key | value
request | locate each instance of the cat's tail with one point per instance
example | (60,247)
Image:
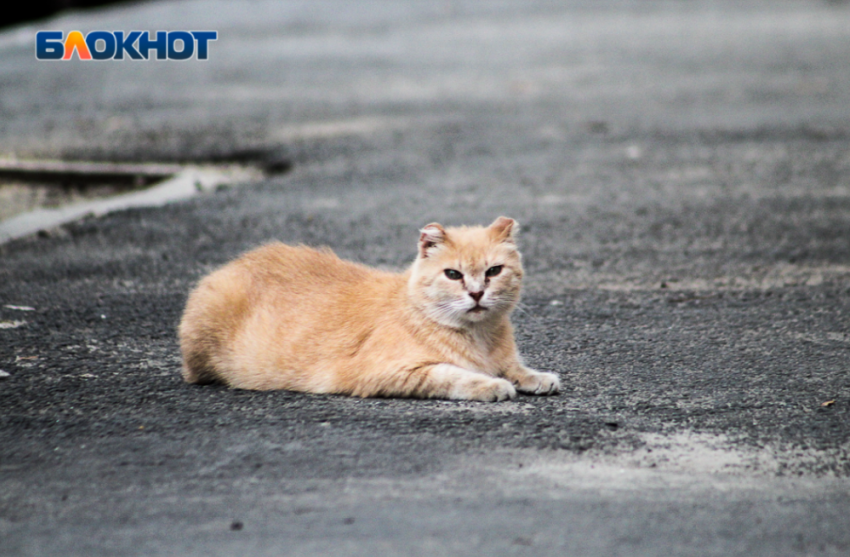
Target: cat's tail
(198,347)
(213,312)
(200,375)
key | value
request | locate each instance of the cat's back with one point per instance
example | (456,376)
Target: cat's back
(279,265)
(296,274)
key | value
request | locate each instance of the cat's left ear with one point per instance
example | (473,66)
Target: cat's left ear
(430,237)
(503,229)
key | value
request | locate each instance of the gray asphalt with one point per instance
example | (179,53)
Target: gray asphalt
(681,171)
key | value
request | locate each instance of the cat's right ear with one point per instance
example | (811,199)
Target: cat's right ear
(430,237)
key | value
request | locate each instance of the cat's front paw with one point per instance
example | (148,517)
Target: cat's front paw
(486,389)
(538,383)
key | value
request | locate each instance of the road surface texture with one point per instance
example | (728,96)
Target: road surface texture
(681,171)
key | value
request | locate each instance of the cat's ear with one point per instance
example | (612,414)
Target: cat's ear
(430,236)
(503,229)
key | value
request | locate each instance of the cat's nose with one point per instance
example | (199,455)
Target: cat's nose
(476,295)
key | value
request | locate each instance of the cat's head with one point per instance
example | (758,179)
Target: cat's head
(467,275)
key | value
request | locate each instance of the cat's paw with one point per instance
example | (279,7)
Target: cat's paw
(486,389)
(538,383)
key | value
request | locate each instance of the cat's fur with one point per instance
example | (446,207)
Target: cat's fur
(300,319)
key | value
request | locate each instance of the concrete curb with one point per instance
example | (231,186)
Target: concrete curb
(186,183)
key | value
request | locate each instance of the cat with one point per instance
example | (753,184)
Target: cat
(301,319)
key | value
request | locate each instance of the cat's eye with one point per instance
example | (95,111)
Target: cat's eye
(454,275)
(493,271)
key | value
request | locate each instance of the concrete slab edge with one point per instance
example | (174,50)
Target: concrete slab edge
(186,183)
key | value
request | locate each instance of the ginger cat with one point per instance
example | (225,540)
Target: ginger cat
(300,319)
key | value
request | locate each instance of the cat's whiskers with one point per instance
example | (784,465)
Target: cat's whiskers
(528,315)
(445,312)
(502,301)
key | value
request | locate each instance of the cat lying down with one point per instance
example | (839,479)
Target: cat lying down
(300,319)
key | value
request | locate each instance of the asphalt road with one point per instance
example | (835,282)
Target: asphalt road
(681,171)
